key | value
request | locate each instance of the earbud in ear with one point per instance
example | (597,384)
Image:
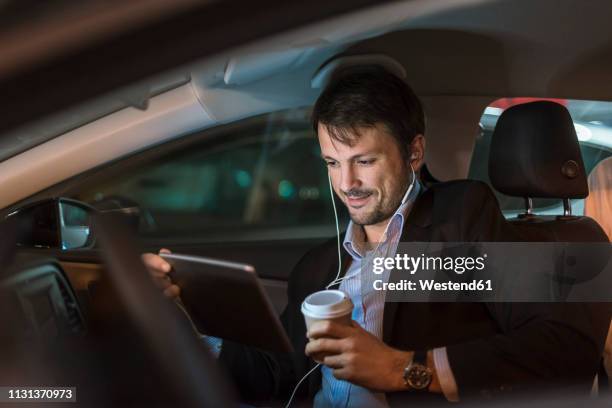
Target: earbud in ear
(414,156)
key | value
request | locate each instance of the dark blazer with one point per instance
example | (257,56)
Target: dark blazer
(493,349)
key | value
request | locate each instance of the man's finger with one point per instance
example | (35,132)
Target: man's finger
(159,274)
(172,291)
(335,361)
(162,283)
(318,357)
(327,328)
(165,251)
(342,373)
(324,346)
(156,263)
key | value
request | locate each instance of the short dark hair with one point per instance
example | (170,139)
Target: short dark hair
(364,98)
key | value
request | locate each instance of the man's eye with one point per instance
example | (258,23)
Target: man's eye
(365,162)
(332,164)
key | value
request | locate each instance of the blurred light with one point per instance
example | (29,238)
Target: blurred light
(583,132)
(243,178)
(309,193)
(285,189)
(489,110)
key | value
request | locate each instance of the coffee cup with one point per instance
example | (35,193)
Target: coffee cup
(333,305)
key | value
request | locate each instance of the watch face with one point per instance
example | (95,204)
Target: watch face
(418,376)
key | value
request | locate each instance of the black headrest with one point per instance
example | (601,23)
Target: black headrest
(535,153)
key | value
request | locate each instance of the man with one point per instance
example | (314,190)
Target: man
(370,126)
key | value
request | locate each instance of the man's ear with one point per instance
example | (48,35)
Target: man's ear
(417,152)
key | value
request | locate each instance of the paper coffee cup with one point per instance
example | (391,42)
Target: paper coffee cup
(332,305)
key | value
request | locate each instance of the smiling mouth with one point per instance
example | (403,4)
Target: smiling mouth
(358,202)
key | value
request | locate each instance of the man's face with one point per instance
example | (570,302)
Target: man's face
(370,177)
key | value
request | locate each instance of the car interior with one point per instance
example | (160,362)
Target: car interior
(213,154)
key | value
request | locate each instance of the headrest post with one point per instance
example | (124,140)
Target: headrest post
(528,206)
(567,207)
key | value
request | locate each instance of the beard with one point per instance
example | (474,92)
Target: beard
(382,210)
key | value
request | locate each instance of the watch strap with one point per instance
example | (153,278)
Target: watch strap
(420,357)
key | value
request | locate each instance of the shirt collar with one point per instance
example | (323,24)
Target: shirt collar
(354,239)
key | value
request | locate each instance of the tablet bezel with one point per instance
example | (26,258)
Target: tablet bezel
(228,276)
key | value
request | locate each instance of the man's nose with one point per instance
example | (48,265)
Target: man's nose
(349,179)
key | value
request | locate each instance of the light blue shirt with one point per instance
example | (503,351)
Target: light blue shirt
(368,304)
(214,344)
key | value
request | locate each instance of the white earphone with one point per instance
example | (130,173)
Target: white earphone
(337,279)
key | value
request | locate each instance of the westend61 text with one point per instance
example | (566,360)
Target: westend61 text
(429,285)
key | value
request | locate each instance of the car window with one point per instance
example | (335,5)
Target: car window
(261,179)
(593,123)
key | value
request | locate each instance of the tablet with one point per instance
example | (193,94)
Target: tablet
(226,300)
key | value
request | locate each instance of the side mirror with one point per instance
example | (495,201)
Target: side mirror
(58,223)
(75,224)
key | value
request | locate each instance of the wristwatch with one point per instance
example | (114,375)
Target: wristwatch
(416,374)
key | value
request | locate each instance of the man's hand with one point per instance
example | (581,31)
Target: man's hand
(159,269)
(357,356)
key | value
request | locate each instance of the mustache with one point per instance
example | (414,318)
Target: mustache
(357,193)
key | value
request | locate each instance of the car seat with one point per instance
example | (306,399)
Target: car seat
(535,154)
(599,206)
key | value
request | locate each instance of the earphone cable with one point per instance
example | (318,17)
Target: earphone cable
(337,279)
(300,383)
(331,192)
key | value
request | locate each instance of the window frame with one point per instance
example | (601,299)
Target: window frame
(207,138)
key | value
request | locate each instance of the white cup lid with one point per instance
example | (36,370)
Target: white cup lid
(327,304)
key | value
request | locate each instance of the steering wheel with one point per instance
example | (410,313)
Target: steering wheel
(187,366)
